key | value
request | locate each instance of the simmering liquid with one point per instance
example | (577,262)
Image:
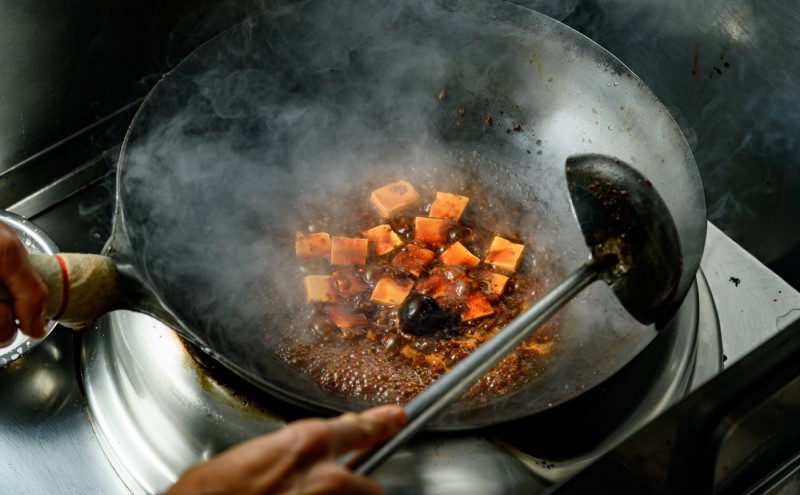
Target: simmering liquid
(368,355)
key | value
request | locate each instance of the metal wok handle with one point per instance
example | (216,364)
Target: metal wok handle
(461,377)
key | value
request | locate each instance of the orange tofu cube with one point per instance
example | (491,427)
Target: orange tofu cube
(312,245)
(349,283)
(348,251)
(320,289)
(477,307)
(436,286)
(413,259)
(504,254)
(384,239)
(457,254)
(393,198)
(430,230)
(496,282)
(448,205)
(345,318)
(391,292)
(410,352)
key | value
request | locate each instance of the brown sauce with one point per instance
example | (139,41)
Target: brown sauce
(378,362)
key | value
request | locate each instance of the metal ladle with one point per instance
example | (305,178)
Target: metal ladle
(634,248)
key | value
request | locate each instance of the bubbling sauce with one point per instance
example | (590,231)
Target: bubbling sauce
(353,345)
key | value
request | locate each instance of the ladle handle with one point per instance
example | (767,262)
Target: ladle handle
(453,384)
(82,287)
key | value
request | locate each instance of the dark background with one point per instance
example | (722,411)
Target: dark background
(73,73)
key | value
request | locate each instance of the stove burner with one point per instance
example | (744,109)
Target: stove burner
(153,428)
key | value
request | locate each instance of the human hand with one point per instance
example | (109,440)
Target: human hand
(28,292)
(299,459)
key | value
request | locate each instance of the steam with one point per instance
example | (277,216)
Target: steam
(309,103)
(263,121)
(728,73)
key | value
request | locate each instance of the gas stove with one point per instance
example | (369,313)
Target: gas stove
(92,413)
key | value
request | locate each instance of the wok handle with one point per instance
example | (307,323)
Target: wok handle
(452,385)
(82,287)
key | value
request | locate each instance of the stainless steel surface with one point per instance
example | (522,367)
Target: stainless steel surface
(150,426)
(750,173)
(710,355)
(447,389)
(46,424)
(35,241)
(66,186)
(152,429)
(752,303)
(48,439)
(68,66)
(548,77)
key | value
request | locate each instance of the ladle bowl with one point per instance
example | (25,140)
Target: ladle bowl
(634,248)
(620,213)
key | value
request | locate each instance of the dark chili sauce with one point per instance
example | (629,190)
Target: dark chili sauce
(379,363)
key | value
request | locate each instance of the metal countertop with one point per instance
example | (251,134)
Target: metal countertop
(52,448)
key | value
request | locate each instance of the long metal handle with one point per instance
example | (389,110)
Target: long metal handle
(453,384)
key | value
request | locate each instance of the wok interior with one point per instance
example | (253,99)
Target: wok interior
(300,105)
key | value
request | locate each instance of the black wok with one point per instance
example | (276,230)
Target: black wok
(304,103)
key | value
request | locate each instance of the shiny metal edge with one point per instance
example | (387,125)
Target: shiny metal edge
(673,384)
(152,429)
(68,185)
(35,241)
(403,473)
(753,303)
(709,344)
(154,412)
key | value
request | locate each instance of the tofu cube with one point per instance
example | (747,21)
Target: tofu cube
(384,239)
(348,251)
(457,254)
(411,353)
(312,245)
(345,318)
(448,205)
(320,289)
(436,286)
(413,259)
(477,307)
(391,199)
(504,254)
(348,283)
(496,282)
(391,292)
(430,230)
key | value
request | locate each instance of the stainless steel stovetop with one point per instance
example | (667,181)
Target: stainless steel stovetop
(60,437)
(81,417)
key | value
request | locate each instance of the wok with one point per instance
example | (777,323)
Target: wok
(303,103)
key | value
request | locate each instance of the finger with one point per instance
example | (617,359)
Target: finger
(8,328)
(295,456)
(360,431)
(313,439)
(392,415)
(30,295)
(23,283)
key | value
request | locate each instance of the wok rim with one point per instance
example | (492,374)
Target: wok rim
(119,241)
